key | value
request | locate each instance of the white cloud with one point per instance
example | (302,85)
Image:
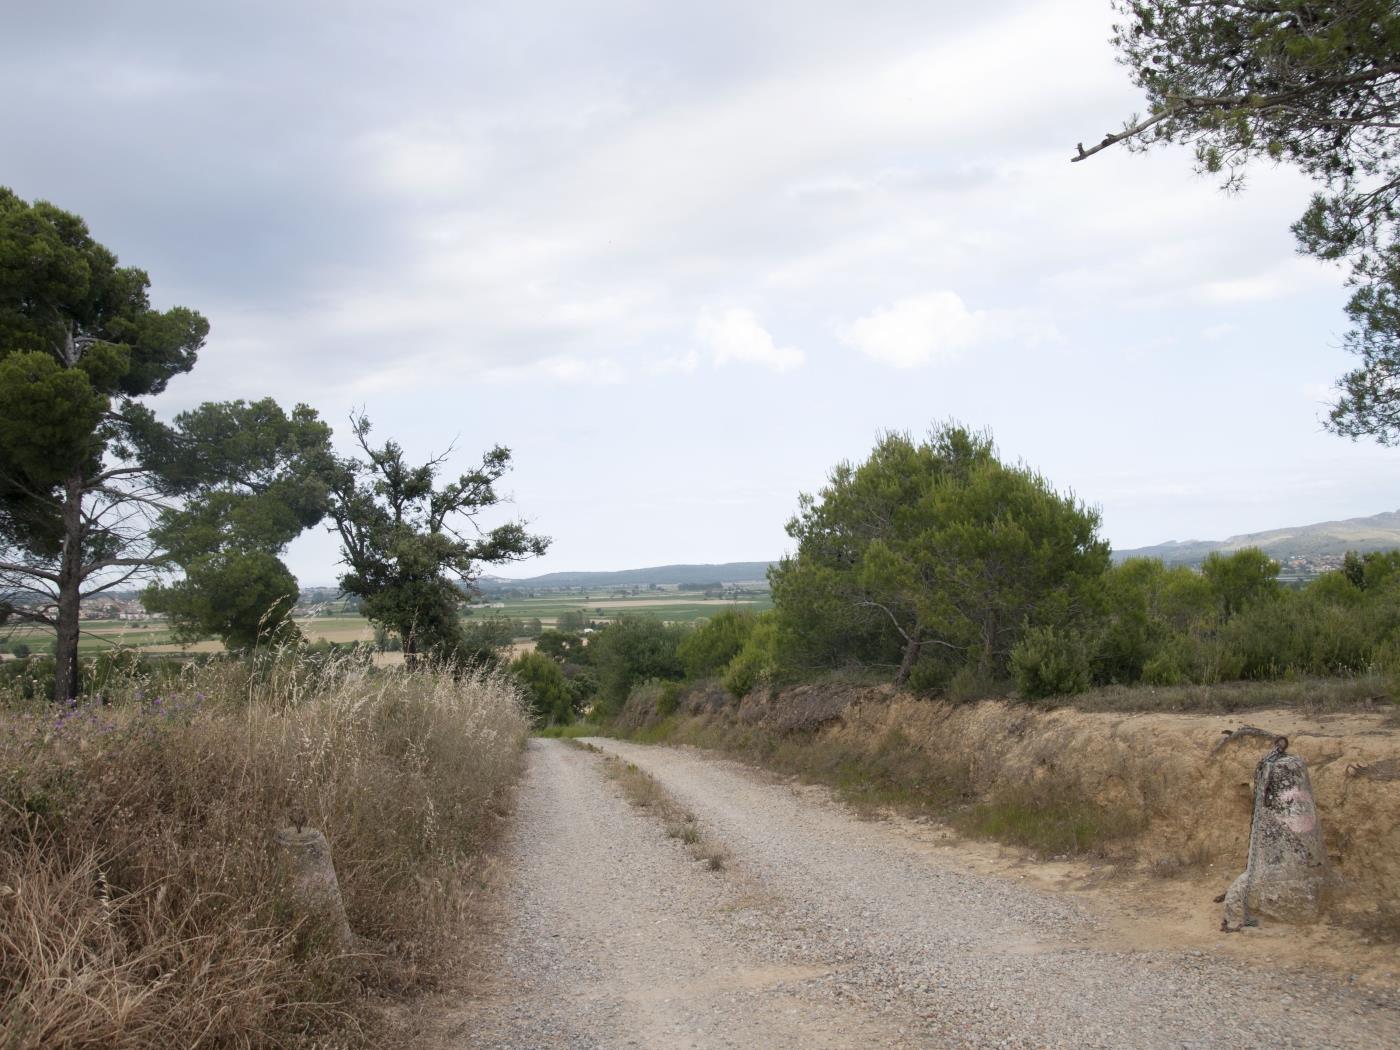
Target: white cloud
(917,330)
(937,326)
(737,335)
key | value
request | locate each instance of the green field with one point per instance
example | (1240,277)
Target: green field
(98,636)
(103,635)
(607,607)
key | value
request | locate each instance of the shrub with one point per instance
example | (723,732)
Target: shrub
(546,689)
(1050,661)
(711,646)
(630,651)
(754,664)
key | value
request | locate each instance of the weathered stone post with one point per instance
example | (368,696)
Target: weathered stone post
(306,857)
(1287,863)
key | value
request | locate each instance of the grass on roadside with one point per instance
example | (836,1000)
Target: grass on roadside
(1312,695)
(141,900)
(569,731)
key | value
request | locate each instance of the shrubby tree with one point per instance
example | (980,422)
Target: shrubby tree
(632,650)
(562,646)
(257,476)
(550,697)
(710,647)
(572,620)
(409,543)
(1143,605)
(935,548)
(1240,578)
(1313,84)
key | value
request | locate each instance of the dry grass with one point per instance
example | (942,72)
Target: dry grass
(140,899)
(643,791)
(1313,695)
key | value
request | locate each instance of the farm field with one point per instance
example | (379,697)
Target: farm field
(156,637)
(601,607)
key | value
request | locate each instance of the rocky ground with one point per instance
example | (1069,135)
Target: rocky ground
(825,930)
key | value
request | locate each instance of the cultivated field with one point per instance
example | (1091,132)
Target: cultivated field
(342,626)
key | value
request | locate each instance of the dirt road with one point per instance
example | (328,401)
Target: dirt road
(824,930)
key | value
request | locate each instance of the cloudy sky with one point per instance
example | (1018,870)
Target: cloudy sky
(682,258)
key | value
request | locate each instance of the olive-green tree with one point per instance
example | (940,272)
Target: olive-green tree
(257,479)
(546,689)
(409,543)
(943,548)
(1240,578)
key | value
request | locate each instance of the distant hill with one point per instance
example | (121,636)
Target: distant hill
(729,572)
(1326,539)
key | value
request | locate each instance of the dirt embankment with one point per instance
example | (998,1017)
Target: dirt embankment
(1190,797)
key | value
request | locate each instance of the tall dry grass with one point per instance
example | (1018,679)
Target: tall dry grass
(140,897)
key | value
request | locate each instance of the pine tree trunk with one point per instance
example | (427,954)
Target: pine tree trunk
(70,581)
(989,640)
(911,654)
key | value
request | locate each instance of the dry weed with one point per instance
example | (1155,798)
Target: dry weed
(140,903)
(645,792)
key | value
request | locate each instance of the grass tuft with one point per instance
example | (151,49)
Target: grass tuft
(141,903)
(645,792)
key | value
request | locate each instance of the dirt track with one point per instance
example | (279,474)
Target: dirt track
(829,931)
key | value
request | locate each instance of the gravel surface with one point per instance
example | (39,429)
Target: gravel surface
(828,931)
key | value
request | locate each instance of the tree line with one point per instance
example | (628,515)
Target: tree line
(938,566)
(97,492)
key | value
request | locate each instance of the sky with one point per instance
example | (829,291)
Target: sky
(683,258)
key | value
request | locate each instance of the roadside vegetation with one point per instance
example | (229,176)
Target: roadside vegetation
(939,568)
(141,900)
(935,571)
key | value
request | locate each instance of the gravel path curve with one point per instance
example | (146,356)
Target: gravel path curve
(829,931)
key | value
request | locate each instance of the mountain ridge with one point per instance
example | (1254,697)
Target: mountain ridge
(724,572)
(1323,539)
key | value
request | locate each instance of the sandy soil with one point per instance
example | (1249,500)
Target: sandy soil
(825,930)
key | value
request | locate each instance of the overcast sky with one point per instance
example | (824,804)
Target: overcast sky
(683,258)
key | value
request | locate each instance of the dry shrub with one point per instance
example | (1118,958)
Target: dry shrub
(140,898)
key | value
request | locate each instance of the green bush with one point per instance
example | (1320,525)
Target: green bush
(630,651)
(1049,661)
(755,662)
(547,691)
(710,647)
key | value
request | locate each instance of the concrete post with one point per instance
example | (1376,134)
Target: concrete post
(1287,865)
(306,857)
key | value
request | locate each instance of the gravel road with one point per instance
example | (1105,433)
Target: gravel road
(828,931)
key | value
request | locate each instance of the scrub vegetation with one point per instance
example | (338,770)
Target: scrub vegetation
(141,901)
